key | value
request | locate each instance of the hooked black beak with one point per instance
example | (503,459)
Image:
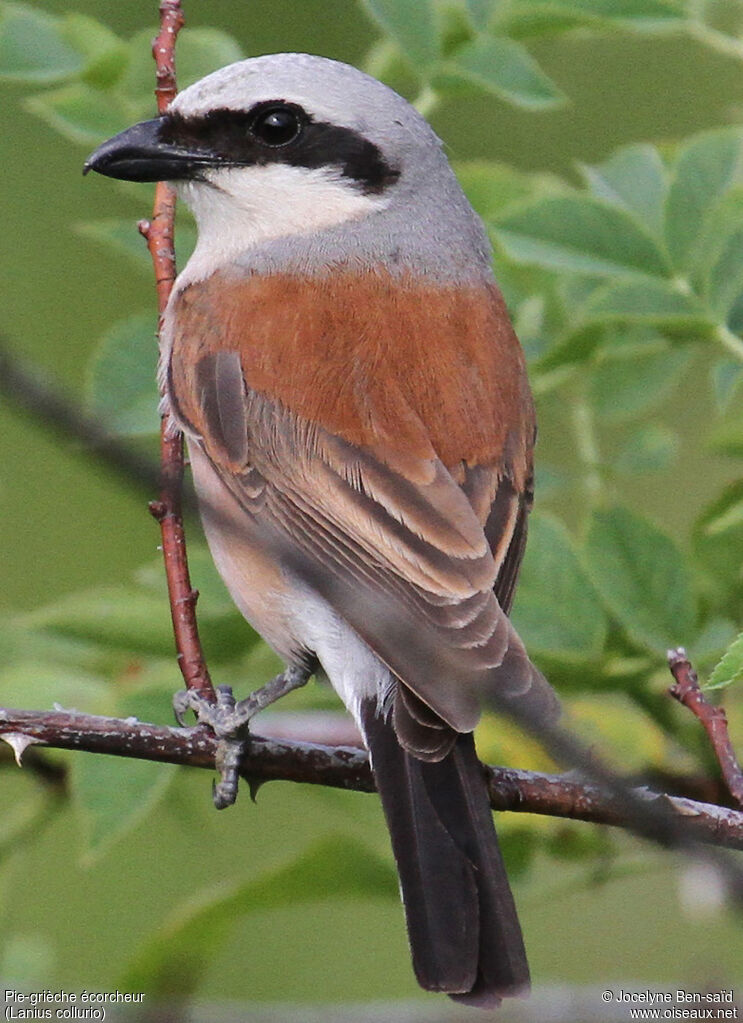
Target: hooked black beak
(138,154)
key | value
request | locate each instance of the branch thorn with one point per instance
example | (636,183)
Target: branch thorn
(19,743)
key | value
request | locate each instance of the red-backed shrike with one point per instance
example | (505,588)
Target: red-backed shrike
(360,429)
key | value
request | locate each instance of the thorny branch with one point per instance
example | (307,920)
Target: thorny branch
(168,511)
(347,767)
(687,691)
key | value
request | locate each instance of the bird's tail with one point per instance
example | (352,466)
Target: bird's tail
(464,933)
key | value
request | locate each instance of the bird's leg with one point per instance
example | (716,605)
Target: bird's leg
(230,723)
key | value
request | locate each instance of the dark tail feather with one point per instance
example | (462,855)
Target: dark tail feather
(464,934)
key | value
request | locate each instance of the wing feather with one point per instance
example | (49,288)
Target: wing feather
(405,561)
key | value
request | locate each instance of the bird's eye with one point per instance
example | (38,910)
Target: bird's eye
(276,126)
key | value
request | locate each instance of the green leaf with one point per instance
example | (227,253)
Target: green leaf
(128,618)
(652,302)
(493,187)
(569,350)
(384,60)
(612,722)
(557,612)
(730,668)
(38,683)
(727,376)
(203,50)
(635,179)
(19,642)
(80,113)
(729,515)
(649,448)
(727,438)
(90,37)
(504,68)
(530,293)
(641,577)
(112,795)
(480,13)
(529,322)
(651,12)
(22,817)
(27,959)
(122,392)
(172,963)
(706,167)
(596,311)
(120,617)
(33,47)
(634,373)
(538,17)
(123,236)
(581,235)
(735,317)
(718,537)
(720,265)
(107,56)
(550,480)
(575,291)
(454,27)
(569,347)
(712,641)
(412,24)
(725,281)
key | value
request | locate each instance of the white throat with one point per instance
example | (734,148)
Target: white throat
(239,208)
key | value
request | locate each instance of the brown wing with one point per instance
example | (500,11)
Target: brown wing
(406,564)
(503,510)
(380,528)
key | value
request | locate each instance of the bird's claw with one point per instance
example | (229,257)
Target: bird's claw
(181,704)
(230,723)
(229,755)
(226,718)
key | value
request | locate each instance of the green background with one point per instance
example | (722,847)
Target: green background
(67,525)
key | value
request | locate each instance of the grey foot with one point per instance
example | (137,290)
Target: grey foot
(230,723)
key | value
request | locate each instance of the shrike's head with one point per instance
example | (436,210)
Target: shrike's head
(292,146)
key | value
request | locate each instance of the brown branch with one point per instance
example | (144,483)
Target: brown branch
(714,720)
(163,51)
(168,511)
(344,767)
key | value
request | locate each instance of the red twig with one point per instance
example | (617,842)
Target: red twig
(686,690)
(167,510)
(163,50)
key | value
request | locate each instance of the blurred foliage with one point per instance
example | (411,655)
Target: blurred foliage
(623,283)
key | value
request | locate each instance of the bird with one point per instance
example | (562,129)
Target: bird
(360,430)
